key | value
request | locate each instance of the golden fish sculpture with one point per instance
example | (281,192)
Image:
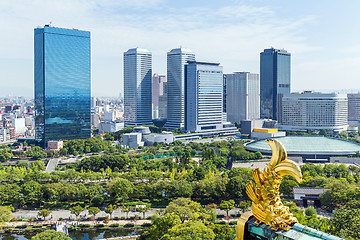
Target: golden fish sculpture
(266,203)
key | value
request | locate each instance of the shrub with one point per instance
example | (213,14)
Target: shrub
(122,218)
(100,225)
(37,226)
(146,225)
(84,225)
(220,216)
(233,223)
(222,222)
(21,227)
(114,225)
(60,219)
(100,219)
(116,218)
(129,225)
(310,211)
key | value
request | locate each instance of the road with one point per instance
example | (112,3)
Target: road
(51,166)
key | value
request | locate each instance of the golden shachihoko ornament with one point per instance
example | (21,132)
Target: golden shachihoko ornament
(266,203)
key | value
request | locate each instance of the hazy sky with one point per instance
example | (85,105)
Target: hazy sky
(323,37)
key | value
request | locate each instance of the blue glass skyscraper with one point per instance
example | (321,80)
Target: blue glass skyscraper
(62,84)
(274,81)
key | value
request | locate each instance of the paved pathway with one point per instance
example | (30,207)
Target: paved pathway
(65,214)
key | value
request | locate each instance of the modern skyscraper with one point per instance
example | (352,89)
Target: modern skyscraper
(274,81)
(157,91)
(203,96)
(137,87)
(242,96)
(176,60)
(62,84)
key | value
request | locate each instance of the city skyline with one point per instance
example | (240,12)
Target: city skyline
(231,32)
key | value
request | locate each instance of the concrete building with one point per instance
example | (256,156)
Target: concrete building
(274,81)
(163,103)
(354,107)
(242,96)
(158,82)
(110,126)
(265,133)
(137,87)
(132,140)
(176,60)
(314,111)
(164,137)
(55,145)
(203,96)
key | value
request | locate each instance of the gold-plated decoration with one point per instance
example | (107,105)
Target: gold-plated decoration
(266,203)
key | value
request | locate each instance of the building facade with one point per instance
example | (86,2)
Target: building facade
(176,60)
(163,103)
(62,84)
(354,107)
(137,87)
(314,111)
(274,81)
(242,96)
(203,96)
(158,82)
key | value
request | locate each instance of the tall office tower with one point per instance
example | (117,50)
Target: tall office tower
(354,107)
(274,81)
(314,111)
(157,91)
(176,60)
(242,96)
(62,84)
(137,87)
(203,96)
(163,102)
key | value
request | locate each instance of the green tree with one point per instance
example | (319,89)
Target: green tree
(120,188)
(76,210)
(126,209)
(44,213)
(37,165)
(227,206)
(191,230)
(180,188)
(160,226)
(93,211)
(186,209)
(346,223)
(50,235)
(222,231)
(143,210)
(110,209)
(5,214)
(244,206)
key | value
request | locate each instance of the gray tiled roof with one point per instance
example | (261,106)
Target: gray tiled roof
(308,190)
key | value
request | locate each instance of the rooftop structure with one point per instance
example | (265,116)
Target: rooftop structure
(314,146)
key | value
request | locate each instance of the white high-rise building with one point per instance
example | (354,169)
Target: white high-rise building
(242,96)
(314,111)
(176,60)
(203,97)
(137,87)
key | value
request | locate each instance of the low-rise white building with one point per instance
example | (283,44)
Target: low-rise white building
(132,140)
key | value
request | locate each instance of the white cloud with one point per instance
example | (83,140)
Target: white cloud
(233,35)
